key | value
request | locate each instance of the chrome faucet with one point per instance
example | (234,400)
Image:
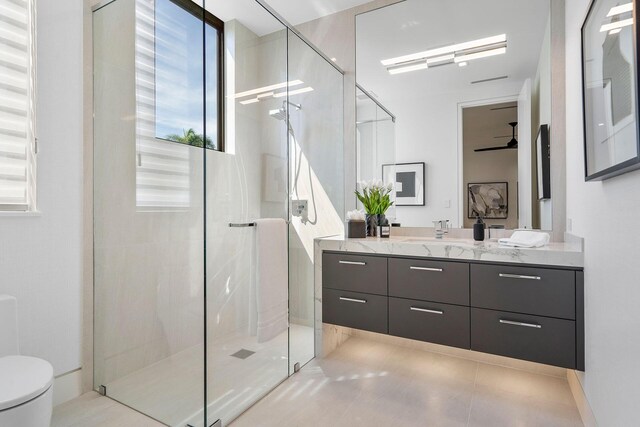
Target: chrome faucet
(441,227)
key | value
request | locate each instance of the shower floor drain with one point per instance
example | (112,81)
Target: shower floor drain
(242,353)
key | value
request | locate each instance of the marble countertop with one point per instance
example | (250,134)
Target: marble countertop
(568,254)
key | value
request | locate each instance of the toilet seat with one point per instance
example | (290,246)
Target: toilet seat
(23,379)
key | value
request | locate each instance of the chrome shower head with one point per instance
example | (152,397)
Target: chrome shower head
(281,113)
(278,114)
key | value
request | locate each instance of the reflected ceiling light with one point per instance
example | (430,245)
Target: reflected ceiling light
(473,44)
(265,95)
(481,54)
(399,69)
(441,60)
(293,92)
(463,64)
(250,101)
(616,31)
(619,10)
(268,88)
(617,24)
(456,53)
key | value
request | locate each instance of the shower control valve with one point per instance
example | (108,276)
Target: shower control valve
(299,208)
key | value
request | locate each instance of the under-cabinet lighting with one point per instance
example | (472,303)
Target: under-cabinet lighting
(266,89)
(619,10)
(481,54)
(399,69)
(293,92)
(487,41)
(616,25)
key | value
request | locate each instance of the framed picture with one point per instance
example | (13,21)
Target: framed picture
(408,181)
(543,150)
(488,200)
(610,90)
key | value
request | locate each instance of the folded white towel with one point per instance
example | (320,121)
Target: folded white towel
(272,293)
(526,239)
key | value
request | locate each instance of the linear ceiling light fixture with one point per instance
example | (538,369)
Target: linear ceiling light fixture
(293,92)
(616,24)
(264,90)
(455,53)
(619,10)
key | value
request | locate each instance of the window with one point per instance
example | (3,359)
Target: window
(188,65)
(17,105)
(171,79)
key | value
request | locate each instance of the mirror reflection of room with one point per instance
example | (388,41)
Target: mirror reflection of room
(470,94)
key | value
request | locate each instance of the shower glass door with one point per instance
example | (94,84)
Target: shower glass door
(246,291)
(317,184)
(149,208)
(202,305)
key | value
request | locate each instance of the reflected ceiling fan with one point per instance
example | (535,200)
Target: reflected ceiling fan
(511,144)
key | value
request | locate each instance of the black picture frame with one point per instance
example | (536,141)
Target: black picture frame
(419,168)
(543,158)
(632,163)
(504,215)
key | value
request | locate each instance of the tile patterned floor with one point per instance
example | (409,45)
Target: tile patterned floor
(365,383)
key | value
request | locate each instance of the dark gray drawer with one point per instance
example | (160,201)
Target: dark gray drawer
(429,321)
(429,280)
(534,338)
(358,273)
(355,310)
(538,291)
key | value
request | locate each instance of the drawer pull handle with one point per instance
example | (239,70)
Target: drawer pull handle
(424,268)
(359,301)
(527,325)
(352,262)
(518,276)
(426,310)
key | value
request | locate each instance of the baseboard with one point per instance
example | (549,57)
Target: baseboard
(67,386)
(588,418)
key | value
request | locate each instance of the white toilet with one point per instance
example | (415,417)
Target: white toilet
(25,382)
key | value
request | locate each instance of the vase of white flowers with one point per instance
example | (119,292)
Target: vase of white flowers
(375,197)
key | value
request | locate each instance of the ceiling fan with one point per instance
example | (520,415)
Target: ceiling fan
(511,144)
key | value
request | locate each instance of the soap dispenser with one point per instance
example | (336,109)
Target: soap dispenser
(478,230)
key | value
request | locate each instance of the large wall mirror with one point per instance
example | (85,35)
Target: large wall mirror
(469,84)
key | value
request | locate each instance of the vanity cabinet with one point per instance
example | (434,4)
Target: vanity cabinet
(357,273)
(438,323)
(527,312)
(429,280)
(356,310)
(531,290)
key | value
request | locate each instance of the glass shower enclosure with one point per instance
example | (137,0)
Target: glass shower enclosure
(215,127)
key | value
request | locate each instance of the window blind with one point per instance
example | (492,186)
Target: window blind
(17,105)
(163,168)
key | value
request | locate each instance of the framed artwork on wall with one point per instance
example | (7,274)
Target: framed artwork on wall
(543,159)
(610,90)
(408,182)
(488,200)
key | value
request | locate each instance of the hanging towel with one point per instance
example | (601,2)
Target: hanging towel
(526,239)
(272,278)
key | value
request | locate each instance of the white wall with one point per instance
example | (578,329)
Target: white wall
(606,215)
(40,256)
(335,35)
(427,131)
